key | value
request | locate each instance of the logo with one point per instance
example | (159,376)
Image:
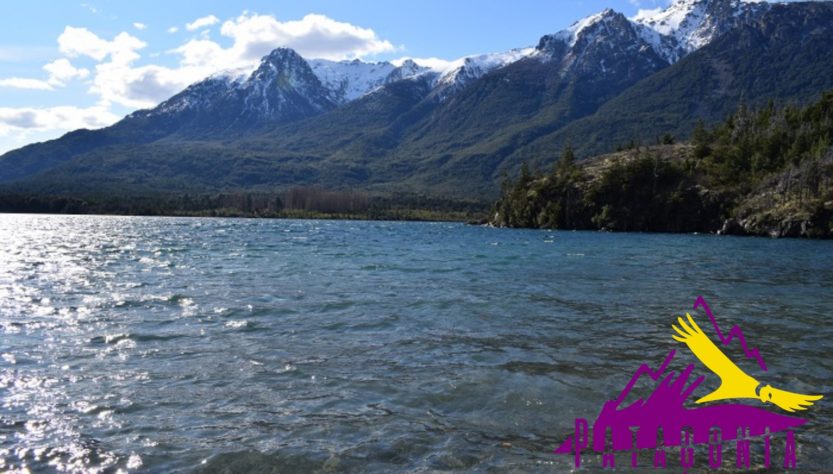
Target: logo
(664,428)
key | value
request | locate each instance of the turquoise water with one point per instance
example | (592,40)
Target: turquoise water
(167,344)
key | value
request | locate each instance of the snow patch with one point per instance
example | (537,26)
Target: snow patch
(691,23)
(469,68)
(349,80)
(571,34)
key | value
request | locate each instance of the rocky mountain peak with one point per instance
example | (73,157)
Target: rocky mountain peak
(286,69)
(282,56)
(407,70)
(591,23)
(695,23)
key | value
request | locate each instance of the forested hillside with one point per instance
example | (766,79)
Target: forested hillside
(762,172)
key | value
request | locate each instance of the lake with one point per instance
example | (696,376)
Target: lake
(174,344)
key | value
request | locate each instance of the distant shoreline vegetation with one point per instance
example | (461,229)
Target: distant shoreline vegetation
(767,173)
(297,202)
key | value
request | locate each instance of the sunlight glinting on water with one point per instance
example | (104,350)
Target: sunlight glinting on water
(170,344)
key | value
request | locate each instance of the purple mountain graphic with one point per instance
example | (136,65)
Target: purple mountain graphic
(736,331)
(664,409)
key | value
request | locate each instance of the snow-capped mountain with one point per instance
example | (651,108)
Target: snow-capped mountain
(672,32)
(692,24)
(601,44)
(287,87)
(684,26)
(349,80)
(571,34)
(409,69)
(470,68)
(200,95)
(284,81)
(605,80)
(282,88)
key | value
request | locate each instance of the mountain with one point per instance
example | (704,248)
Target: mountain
(688,25)
(282,89)
(604,81)
(350,80)
(782,56)
(465,140)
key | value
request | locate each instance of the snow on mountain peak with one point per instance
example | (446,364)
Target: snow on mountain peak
(409,69)
(349,80)
(672,32)
(469,68)
(233,76)
(571,34)
(694,23)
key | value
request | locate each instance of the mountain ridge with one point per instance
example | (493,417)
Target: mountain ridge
(447,132)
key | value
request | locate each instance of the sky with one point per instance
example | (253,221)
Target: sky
(66,65)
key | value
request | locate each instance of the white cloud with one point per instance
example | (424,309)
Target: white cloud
(119,79)
(60,118)
(62,71)
(140,87)
(254,36)
(116,79)
(76,42)
(122,49)
(202,22)
(173,29)
(202,52)
(139,26)
(25,83)
(19,126)
(313,36)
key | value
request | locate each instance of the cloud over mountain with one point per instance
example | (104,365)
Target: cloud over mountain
(119,74)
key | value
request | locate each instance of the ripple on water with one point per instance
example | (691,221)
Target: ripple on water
(230,344)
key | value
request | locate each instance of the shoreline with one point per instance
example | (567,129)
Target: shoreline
(425,216)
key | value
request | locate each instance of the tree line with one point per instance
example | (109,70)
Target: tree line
(301,201)
(762,167)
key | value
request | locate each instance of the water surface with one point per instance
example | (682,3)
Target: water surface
(168,344)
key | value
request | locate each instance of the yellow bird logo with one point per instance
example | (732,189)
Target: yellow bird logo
(734,382)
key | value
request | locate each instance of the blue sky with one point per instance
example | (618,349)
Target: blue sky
(66,65)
